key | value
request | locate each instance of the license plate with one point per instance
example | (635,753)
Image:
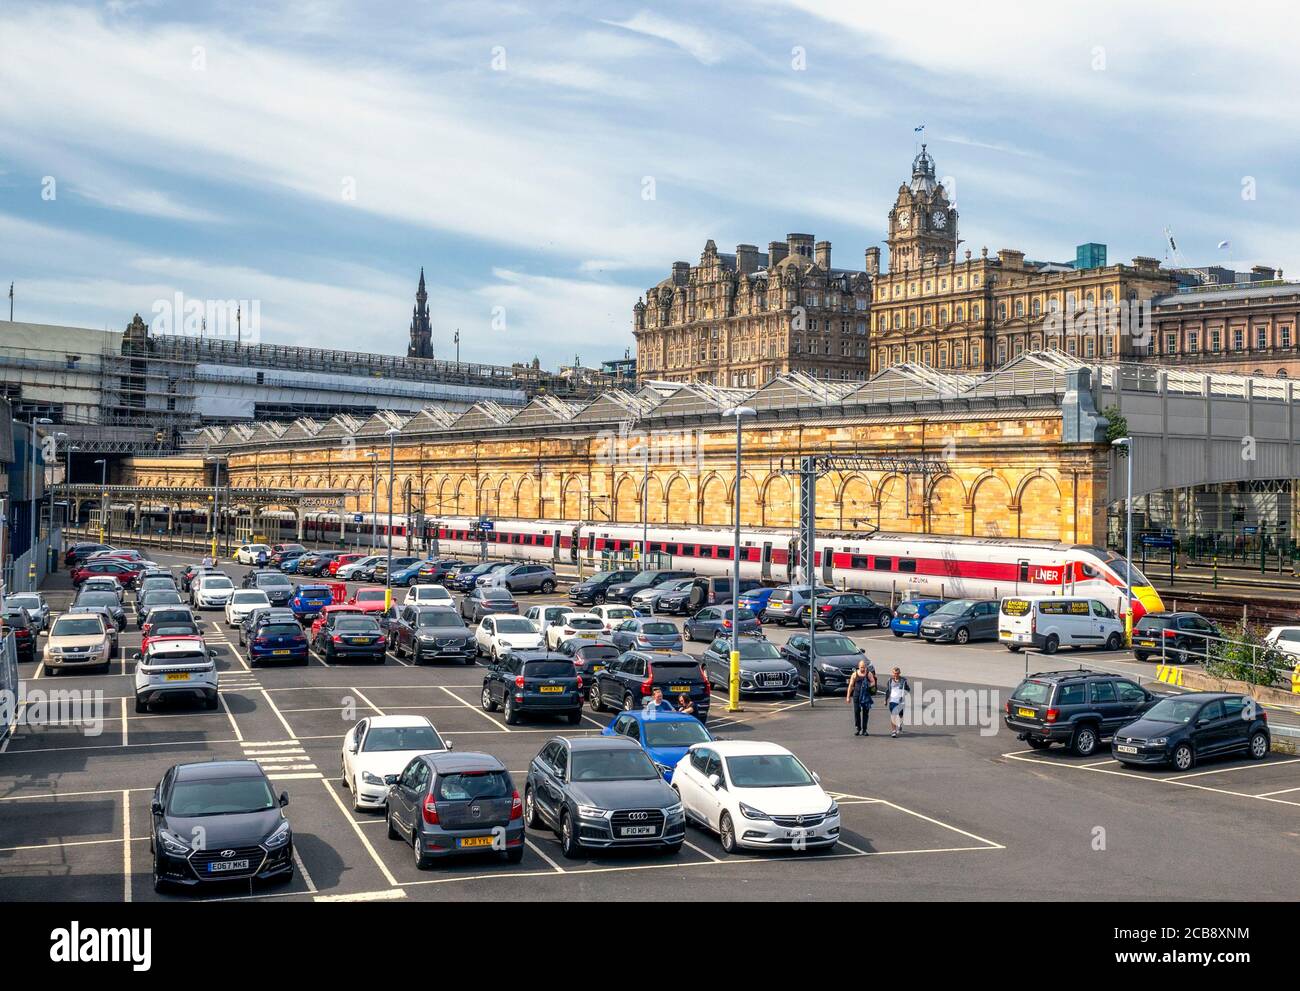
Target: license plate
(1005,634)
(1146,643)
(1127,750)
(279,653)
(637,831)
(586,636)
(1027,713)
(362,640)
(679,689)
(551,688)
(474,841)
(792,834)
(218,866)
(597,667)
(183,676)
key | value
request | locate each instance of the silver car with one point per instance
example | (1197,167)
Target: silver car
(789,603)
(522,578)
(647,600)
(647,634)
(34,602)
(713,621)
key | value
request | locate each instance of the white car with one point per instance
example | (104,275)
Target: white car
(379,746)
(497,635)
(611,616)
(247,553)
(1285,639)
(212,591)
(544,617)
(428,595)
(103,583)
(183,666)
(242,602)
(755,795)
(576,626)
(348,571)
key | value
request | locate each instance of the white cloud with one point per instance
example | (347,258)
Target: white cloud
(146,202)
(701,45)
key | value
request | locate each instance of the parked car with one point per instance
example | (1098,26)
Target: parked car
(78,552)
(1079,709)
(755,600)
(436,572)
(717,592)
(334,609)
(277,638)
(841,610)
(594,589)
(961,621)
(123,571)
(522,578)
(318,565)
(380,746)
(576,626)
(308,600)
(666,597)
(166,616)
(647,634)
(763,671)
(908,616)
(248,553)
(486,602)
(153,599)
(429,595)
(171,631)
(16,620)
(630,680)
(261,616)
(277,587)
(288,564)
(379,571)
(547,617)
(1185,729)
(103,583)
(218,820)
(837,658)
(789,604)
(153,580)
(532,682)
(211,591)
(170,668)
(405,575)
(602,792)
(77,640)
(103,613)
(611,616)
(756,796)
(431,633)
(1284,639)
(1177,637)
(1052,621)
(288,549)
(498,635)
(465,579)
(664,736)
(590,657)
(713,620)
(445,804)
(353,637)
(107,601)
(352,570)
(622,591)
(339,561)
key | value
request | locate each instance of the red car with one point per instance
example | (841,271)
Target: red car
(339,607)
(342,559)
(123,570)
(370,598)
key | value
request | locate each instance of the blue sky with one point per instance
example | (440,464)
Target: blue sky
(210,149)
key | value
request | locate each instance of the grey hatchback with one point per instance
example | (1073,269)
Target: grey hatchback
(712,621)
(647,634)
(445,804)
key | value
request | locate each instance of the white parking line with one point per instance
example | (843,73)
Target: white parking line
(311,885)
(1239,767)
(702,852)
(1269,794)
(231,716)
(365,842)
(295,777)
(382,895)
(369,703)
(474,708)
(542,853)
(283,722)
(126,845)
(125,742)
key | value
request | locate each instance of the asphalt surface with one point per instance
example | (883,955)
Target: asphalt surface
(946,811)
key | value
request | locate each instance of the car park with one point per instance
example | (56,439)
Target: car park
(629,681)
(716,592)
(1183,730)
(436,572)
(1079,709)
(763,670)
(211,591)
(602,792)
(575,626)
(351,570)
(429,595)
(107,601)
(277,587)
(593,590)
(647,634)
(152,599)
(532,682)
(352,637)
(244,601)
(523,577)
(611,616)
(909,614)
(38,610)
(836,659)
(667,597)
(277,639)
(308,600)
(664,736)
(498,635)
(486,602)
(789,603)
(379,572)
(248,553)
(446,804)
(756,796)
(216,821)
(176,667)
(841,610)
(18,621)
(961,621)
(1176,637)
(622,591)
(1051,622)
(378,747)
(78,640)
(431,633)
(590,657)
(713,620)
(263,614)
(123,571)
(755,600)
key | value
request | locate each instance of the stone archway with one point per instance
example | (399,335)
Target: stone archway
(1039,503)
(990,500)
(947,506)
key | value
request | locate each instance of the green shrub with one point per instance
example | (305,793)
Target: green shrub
(1243,656)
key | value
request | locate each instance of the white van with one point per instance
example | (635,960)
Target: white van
(1051,621)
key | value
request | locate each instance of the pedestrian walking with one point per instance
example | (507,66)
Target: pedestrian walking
(896,692)
(862,686)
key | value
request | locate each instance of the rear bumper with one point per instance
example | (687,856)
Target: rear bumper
(1025,727)
(269,653)
(445,842)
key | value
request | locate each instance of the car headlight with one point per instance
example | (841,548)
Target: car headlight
(749,812)
(173,844)
(53,650)
(675,811)
(591,812)
(1159,741)
(834,810)
(427,638)
(278,838)
(371,779)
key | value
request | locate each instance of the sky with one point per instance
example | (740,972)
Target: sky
(545,163)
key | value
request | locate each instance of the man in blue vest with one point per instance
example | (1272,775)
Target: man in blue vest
(862,686)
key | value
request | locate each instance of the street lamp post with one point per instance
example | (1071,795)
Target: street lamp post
(733,696)
(33,504)
(1127,444)
(103,494)
(388,573)
(374,498)
(645,500)
(216,499)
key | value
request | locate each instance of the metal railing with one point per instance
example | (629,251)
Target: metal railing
(1254,662)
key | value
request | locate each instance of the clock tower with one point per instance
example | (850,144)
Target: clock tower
(922,224)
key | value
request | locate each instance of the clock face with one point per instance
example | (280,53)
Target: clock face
(939,219)
(904,218)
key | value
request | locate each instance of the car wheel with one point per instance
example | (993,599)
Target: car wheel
(1051,643)
(141,706)
(512,716)
(548,587)
(575,717)
(594,700)
(885,620)
(532,818)
(1184,759)
(837,624)
(1014,648)
(1139,655)
(1085,740)
(1114,642)
(727,833)
(356,802)
(421,861)
(159,885)
(569,844)
(628,702)
(599,598)
(489,704)
(961,636)
(1258,746)
(819,683)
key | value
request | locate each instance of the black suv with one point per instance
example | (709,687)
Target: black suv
(623,591)
(277,587)
(534,682)
(1185,636)
(631,680)
(1075,708)
(17,620)
(590,657)
(431,633)
(837,659)
(595,590)
(845,609)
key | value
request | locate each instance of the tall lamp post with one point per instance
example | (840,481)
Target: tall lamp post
(1127,444)
(733,696)
(374,498)
(33,504)
(392,433)
(216,498)
(103,494)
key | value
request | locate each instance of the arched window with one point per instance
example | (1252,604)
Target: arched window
(1035,306)
(1020,307)
(959,314)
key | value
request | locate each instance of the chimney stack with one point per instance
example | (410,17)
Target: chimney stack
(822,254)
(776,250)
(746,258)
(873,262)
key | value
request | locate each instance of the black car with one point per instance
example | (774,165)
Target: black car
(320,564)
(157,574)
(1177,637)
(595,590)
(167,616)
(676,601)
(431,633)
(105,600)
(844,609)
(218,821)
(487,601)
(351,635)
(1183,729)
(837,659)
(763,671)
(436,572)
(1075,708)
(465,579)
(277,587)
(18,621)
(622,591)
(80,551)
(259,617)
(630,681)
(536,682)
(590,657)
(152,599)
(602,792)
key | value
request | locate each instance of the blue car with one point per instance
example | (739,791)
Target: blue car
(664,736)
(755,600)
(908,616)
(289,565)
(308,600)
(406,576)
(278,642)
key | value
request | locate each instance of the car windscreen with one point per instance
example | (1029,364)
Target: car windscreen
(598,652)
(768,771)
(371,595)
(468,786)
(356,624)
(744,615)
(497,594)
(161,598)
(280,630)
(548,669)
(906,609)
(228,796)
(1173,711)
(675,671)
(242,597)
(600,576)
(90,626)
(432,592)
(619,613)
(1152,623)
(954,608)
(437,618)
(1034,692)
(29,602)
(217,582)
(758,649)
(166,615)
(678,733)
(515,626)
(659,629)
(108,599)
(178,630)
(584,623)
(622,764)
(267,580)
(385,739)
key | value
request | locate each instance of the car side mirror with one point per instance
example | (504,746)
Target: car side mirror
(284,799)
(212,651)
(816,777)
(135,655)
(716,781)
(156,807)
(449,745)
(390,779)
(352,747)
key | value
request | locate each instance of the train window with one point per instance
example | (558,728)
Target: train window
(906,564)
(857,561)
(1024,571)
(724,552)
(672,549)
(882,563)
